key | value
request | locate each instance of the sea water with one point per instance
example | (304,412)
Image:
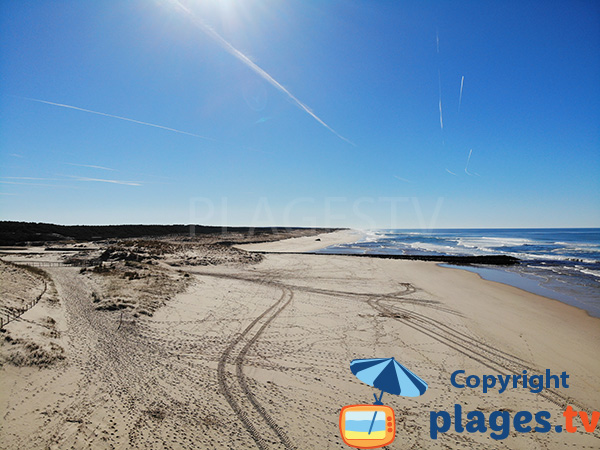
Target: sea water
(560,263)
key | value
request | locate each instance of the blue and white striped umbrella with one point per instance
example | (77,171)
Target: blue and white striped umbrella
(389,376)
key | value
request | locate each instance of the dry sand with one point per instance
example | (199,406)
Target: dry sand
(304,243)
(257,355)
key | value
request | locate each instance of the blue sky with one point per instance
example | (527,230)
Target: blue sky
(301,113)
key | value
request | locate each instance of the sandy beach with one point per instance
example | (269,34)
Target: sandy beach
(244,352)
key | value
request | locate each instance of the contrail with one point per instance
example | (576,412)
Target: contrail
(31,178)
(437,42)
(37,184)
(126,183)
(402,179)
(440,103)
(450,172)
(467,166)
(258,70)
(91,166)
(462,81)
(117,117)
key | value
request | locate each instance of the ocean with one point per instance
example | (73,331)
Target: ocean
(560,263)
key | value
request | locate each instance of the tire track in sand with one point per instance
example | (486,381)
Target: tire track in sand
(483,353)
(233,352)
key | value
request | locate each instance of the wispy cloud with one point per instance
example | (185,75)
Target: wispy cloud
(402,179)
(99,180)
(253,66)
(91,166)
(15,155)
(148,124)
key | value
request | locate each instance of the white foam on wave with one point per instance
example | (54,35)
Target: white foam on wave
(573,248)
(595,273)
(579,244)
(435,248)
(372,236)
(549,257)
(472,245)
(485,245)
(494,242)
(559,270)
(495,245)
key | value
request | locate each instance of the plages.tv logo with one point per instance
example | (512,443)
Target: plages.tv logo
(368,426)
(501,422)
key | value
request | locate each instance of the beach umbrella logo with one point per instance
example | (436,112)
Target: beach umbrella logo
(373,426)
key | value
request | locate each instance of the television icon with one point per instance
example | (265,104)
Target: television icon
(367,426)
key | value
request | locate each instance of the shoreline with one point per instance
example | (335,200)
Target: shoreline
(469,270)
(520,283)
(493,263)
